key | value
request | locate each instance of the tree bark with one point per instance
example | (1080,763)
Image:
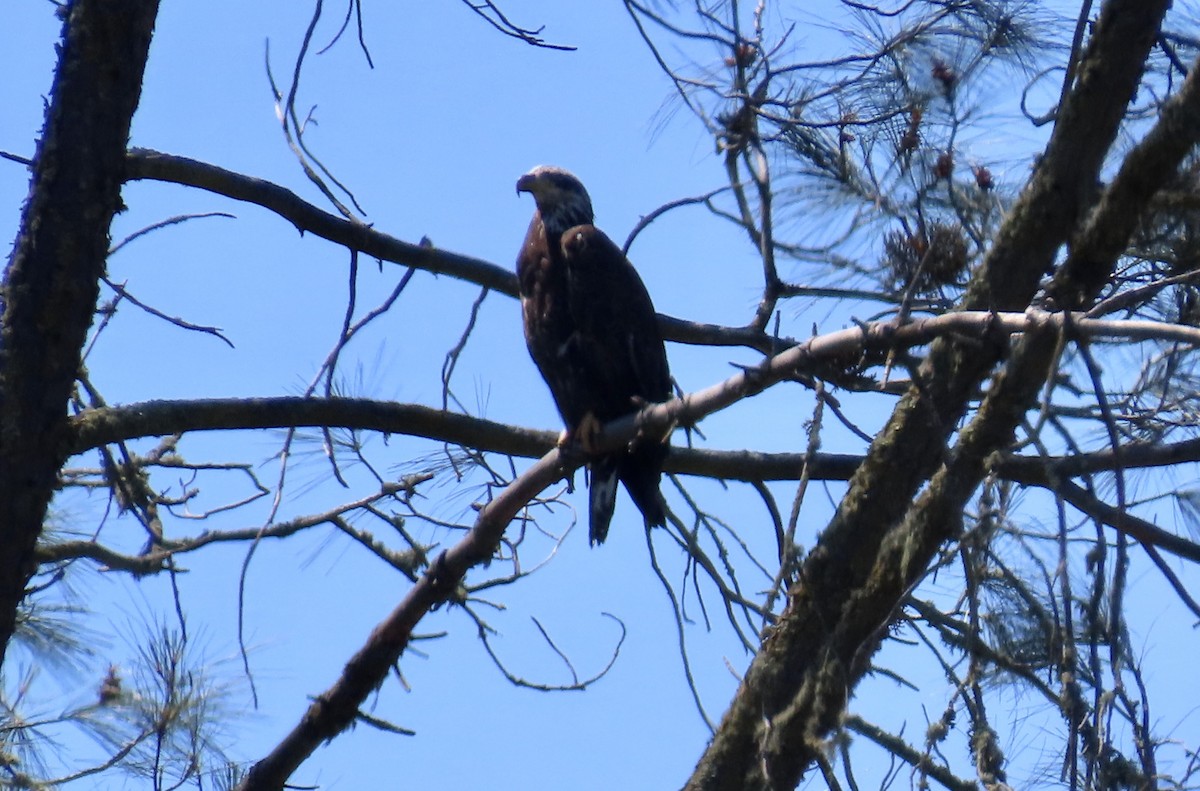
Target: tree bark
(797,686)
(52,281)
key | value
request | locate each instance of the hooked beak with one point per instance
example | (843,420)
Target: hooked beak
(527,183)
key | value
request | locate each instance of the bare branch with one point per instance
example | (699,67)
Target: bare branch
(496,18)
(147,164)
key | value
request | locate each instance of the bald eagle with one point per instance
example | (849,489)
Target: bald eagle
(591,329)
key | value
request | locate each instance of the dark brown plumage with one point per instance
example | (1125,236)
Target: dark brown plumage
(591,329)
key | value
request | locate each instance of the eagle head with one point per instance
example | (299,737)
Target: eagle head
(560,196)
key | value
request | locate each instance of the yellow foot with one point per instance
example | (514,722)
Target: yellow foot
(585,433)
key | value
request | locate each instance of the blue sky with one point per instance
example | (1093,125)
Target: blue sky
(431,142)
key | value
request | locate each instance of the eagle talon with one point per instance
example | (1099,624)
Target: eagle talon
(666,434)
(586,433)
(569,449)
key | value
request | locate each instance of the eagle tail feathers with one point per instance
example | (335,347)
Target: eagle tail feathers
(641,472)
(602,496)
(648,499)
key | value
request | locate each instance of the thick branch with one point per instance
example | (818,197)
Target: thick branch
(336,709)
(936,516)
(52,281)
(95,427)
(797,685)
(1150,165)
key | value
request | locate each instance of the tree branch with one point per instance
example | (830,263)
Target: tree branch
(143,163)
(95,427)
(155,558)
(337,708)
(100,426)
(797,685)
(1120,520)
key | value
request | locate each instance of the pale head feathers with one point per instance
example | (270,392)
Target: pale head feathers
(561,198)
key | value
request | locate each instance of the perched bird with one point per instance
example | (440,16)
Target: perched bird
(591,329)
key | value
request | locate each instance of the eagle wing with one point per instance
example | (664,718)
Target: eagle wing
(615,324)
(549,328)
(617,340)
